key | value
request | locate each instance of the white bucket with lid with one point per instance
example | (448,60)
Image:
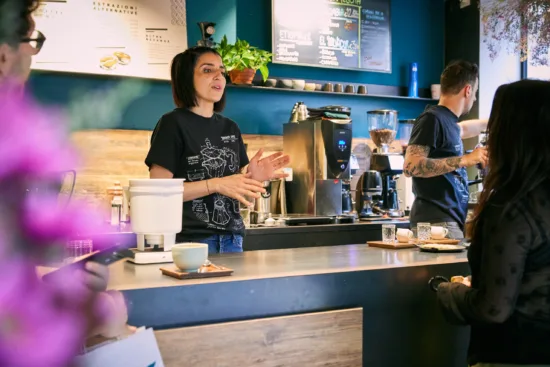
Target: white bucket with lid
(156,205)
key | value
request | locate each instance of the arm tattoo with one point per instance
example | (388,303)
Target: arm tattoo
(417,163)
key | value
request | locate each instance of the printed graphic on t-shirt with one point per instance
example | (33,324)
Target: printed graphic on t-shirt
(201,210)
(237,223)
(215,159)
(221,215)
(193,160)
(229,139)
(196,174)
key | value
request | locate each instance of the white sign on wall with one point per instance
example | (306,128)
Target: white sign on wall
(136,38)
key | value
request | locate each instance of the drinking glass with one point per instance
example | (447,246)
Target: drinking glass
(424,231)
(388,233)
(245,214)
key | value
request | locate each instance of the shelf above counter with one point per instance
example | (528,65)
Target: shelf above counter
(276,89)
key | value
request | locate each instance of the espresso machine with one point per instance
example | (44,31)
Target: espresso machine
(320,149)
(382,125)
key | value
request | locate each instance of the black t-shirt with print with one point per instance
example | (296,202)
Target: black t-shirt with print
(197,148)
(442,198)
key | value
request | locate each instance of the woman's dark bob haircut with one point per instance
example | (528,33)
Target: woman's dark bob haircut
(182,75)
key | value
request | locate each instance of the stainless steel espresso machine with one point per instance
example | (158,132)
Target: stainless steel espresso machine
(382,126)
(320,149)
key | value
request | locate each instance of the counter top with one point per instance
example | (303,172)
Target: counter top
(268,264)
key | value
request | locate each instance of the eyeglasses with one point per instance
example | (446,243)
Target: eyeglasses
(36,40)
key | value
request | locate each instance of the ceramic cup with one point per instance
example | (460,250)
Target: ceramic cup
(439,233)
(310,86)
(436,91)
(284,83)
(362,89)
(298,84)
(404,235)
(328,87)
(189,256)
(271,83)
(350,88)
(338,88)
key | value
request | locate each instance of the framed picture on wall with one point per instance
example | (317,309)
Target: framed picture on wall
(135,38)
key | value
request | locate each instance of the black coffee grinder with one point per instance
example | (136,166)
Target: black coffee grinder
(390,166)
(370,186)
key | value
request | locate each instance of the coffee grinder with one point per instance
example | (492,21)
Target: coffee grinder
(370,186)
(382,125)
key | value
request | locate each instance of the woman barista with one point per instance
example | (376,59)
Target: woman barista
(196,143)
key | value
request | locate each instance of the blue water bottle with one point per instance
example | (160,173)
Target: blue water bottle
(413,80)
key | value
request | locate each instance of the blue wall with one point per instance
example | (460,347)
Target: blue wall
(417,35)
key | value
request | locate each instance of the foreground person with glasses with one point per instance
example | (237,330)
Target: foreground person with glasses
(42,323)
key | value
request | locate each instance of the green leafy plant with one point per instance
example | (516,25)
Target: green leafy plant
(241,55)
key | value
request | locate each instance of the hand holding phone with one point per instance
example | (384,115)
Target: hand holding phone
(94,265)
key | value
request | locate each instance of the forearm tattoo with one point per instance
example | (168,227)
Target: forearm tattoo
(417,163)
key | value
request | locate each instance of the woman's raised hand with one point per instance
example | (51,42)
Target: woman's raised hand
(239,187)
(264,169)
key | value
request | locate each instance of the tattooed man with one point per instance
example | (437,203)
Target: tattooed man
(434,157)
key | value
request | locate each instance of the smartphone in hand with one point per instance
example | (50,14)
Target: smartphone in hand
(106,257)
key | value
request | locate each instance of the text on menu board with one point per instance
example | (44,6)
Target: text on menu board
(346,34)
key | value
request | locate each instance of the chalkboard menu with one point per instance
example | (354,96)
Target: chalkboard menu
(340,34)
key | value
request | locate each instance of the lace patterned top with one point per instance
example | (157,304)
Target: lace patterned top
(508,304)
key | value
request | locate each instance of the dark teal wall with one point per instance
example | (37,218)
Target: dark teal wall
(417,35)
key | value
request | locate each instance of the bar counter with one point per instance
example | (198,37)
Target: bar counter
(274,238)
(382,297)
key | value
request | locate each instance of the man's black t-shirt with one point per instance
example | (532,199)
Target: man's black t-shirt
(197,148)
(442,198)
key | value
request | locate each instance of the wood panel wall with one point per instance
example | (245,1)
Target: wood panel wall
(118,155)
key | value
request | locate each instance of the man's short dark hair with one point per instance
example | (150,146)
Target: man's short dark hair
(182,75)
(457,75)
(14,20)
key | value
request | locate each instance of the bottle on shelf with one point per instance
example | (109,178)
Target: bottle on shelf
(116,210)
(112,192)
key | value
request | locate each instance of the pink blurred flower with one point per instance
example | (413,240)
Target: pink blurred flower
(42,220)
(35,139)
(34,330)
(41,324)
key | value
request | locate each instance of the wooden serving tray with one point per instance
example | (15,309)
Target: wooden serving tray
(203,272)
(411,244)
(392,246)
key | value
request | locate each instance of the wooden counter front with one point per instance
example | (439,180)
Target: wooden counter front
(331,338)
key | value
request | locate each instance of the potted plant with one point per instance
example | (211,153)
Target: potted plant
(520,26)
(242,60)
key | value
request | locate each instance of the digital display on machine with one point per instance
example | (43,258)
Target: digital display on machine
(342,139)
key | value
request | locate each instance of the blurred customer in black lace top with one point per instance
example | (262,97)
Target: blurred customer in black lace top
(508,301)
